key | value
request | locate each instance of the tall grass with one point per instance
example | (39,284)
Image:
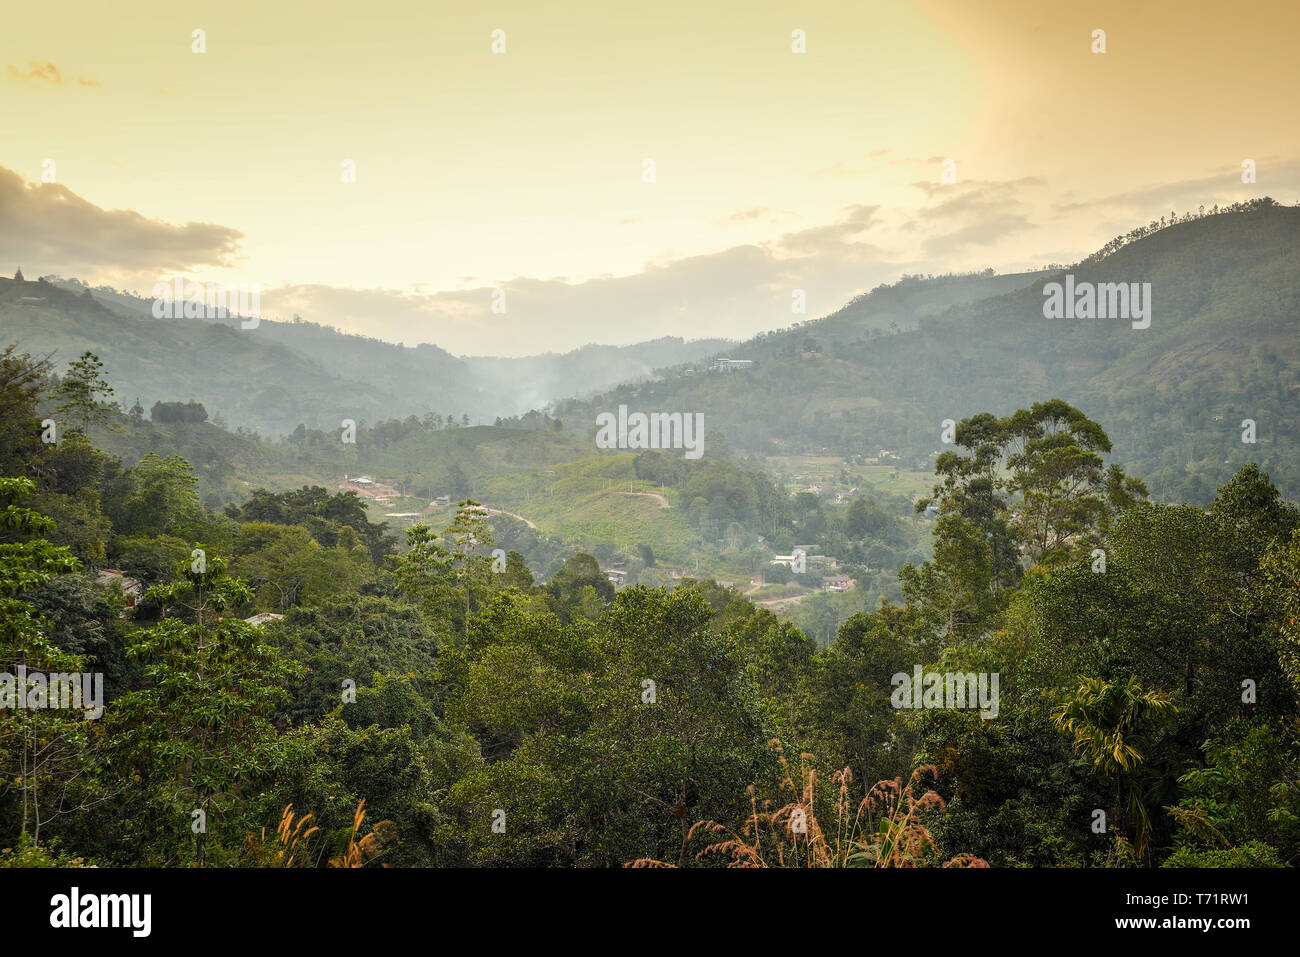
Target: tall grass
(888,827)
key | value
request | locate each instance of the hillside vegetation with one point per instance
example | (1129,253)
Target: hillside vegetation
(1223,346)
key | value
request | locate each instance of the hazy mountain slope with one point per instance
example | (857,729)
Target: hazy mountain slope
(249,378)
(1223,342)
(897,307)
(535,381)
(395,380)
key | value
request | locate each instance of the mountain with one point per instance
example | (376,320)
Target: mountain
(1222,347)
(536,381)
(1220,357)
(282,374)
(247,376)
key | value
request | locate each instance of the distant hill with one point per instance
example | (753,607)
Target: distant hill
(549,493)
(882,372)
(281,374)
(535,381)
(250,379)
(1223,346)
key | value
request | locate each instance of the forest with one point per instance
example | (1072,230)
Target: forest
(288,684)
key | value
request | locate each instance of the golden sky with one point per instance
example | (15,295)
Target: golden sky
(524,170)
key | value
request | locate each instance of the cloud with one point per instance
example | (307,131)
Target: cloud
(984,231)
(49,228)
(747,215)
(38,72)
(730,292)
(46,73)
(987,189)
(727,293)
(974,213)
(832,239)
(1275,176)
(840,169)
(843,169)
(767,214)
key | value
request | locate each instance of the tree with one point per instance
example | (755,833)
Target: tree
(151,559)
(1111,724)
(79,390)
(777,574)
(160,497)
(357,638)
(605,740)
(45,749)
(448,574)
(1281,584)
(1034,483)
(190,412)
(323,514)
(843,705)
(517,574)
(21,382)
(198,737)
(457,482)
(287,566)
(1052,452)
(865,519)
(578,572)
(955,588)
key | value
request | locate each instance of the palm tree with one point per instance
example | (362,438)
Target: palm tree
(1110,723)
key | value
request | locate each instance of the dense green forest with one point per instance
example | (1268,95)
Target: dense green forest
(1077,675)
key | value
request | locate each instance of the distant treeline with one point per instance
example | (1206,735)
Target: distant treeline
(178,412)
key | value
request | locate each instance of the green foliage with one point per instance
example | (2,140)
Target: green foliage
(78,393)
(589,762)
(453,694)
(286,566)
(197,735)
(1246,797)
(21,381)
(325,516)
(30,854)
(355,638)
(1252,854)
(26,563)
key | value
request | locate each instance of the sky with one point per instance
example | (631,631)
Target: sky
(909,136)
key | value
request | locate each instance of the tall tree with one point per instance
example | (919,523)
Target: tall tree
(21,383)
(79,392)
(44,747)
(198,737)
(1112,724)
